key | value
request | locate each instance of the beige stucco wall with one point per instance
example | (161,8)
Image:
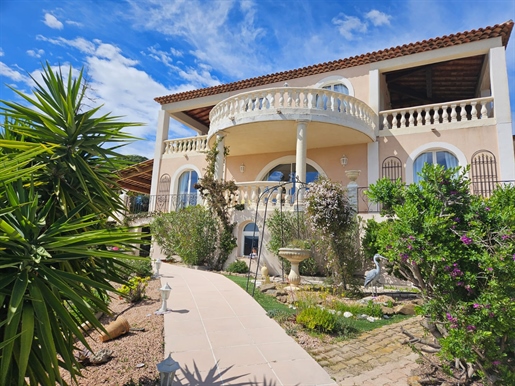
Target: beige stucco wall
(466,141)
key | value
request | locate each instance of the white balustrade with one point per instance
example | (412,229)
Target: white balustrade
(186,145)
(263,192)
(437,114)
(276,99)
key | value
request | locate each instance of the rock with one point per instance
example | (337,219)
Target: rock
(267,287)
(347,314)
(384,299)
(414,381)
(405,309)
(387,310)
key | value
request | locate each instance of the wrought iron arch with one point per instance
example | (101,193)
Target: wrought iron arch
(392,168)
(483,170)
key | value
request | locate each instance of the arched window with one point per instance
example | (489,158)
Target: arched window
(392,168)
(337,87)
(286,172)
(483,170)
(250,238)
(440,157)
(163,193)
(186,191)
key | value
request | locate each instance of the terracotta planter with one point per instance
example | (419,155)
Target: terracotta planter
(295,256)
(114,329)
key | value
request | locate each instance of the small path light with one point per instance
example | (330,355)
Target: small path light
(165,294)
(157,264)
(167,369)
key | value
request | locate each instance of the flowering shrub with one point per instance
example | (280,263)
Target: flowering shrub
(333,220)
(459,250)
(135,289)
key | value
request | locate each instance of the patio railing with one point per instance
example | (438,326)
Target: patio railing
(160,203)
(437,114)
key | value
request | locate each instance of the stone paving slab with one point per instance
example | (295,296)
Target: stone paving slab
(375,358)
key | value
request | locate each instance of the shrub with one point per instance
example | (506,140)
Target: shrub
(459,250)
(333,220)
(284,228)
(238,266)
(190,232)
(135,289)
(325,321)
(140,267)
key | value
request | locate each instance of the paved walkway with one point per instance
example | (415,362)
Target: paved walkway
(375,358)
(221,336)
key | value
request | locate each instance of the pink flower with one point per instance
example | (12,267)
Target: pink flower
(471,328)
(476,305)
(466,240)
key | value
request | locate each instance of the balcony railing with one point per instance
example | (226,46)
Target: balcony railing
(163,203)
(186,145)
(437,114)
(260,193)
(285,100)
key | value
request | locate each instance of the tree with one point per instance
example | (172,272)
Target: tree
(57,197)
(459,250)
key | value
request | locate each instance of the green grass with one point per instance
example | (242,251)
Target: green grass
(269,303)
(279,310)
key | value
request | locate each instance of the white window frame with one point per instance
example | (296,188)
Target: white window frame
(336,79)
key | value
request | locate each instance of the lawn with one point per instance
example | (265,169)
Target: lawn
(282,312)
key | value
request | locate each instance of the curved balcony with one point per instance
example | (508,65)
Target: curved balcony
(264,120)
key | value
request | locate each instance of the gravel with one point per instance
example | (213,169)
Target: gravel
(136,353)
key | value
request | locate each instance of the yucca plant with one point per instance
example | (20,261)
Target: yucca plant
(57,192)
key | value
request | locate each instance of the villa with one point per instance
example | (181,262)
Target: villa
(355,120)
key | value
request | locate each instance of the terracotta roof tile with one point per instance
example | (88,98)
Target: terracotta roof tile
(499,30)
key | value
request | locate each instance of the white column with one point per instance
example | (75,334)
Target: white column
(163,125)
(373,162)
(300,156)
(352,188)
(220,158)
(502,112)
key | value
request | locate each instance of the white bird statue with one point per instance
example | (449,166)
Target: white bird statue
(372,275)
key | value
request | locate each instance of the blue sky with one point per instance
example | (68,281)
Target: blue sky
(136,50)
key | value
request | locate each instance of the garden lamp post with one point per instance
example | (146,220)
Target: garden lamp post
(167,369)
(157,265)
(165,294)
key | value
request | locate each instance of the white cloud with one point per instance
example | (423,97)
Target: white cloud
(232,45)
(1,52)
(378,18)
(81,44)
(12,74)
(74,23)
(36,53)
(52,22)
(348,25)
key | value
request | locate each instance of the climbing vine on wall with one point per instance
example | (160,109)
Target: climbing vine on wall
(220,197)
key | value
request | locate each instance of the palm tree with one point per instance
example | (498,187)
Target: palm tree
(57,197)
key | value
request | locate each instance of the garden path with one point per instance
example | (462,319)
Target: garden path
(220,336)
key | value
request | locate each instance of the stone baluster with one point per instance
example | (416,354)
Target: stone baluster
(254,195)
(484,110)
(454,114)
(420,119)
(297,98)
(411,118)
(281,98)
(305,100)
(312,100)
(288,99)
(271,101)
(403,119)
(473,111)
(386,124)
